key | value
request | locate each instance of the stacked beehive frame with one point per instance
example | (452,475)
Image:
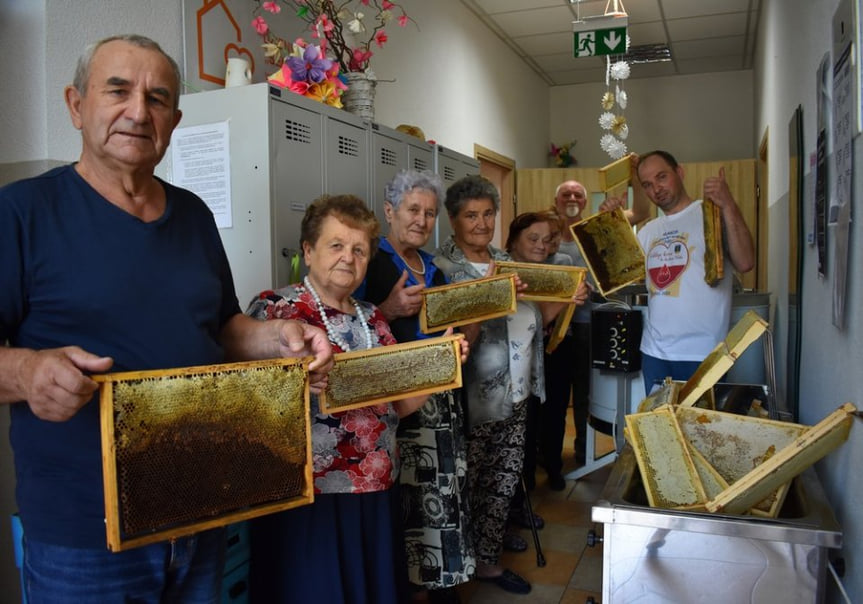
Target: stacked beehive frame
(697,458)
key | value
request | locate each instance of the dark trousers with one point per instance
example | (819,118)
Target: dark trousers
(567,374)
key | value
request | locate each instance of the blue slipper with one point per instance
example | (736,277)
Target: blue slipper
(508,581)
(514,543)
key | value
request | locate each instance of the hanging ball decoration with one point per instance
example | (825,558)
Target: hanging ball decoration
(621,99)
(606,120)
(619,127)
(615,148)
(607,101)
(619,70)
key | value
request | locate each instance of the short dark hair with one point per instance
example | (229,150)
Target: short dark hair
(668,157)
(348,209)
(523,222)
(470,187)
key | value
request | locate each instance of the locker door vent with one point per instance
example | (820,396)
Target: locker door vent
(420,165)
(348,146)
(297,131)
(448,173)
(388,157)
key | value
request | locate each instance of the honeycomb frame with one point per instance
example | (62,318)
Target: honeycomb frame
(610,249)
(545,282)
(190,449)
(466,302)
(369,377)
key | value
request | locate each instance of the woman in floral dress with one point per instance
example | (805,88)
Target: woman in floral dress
(346,546)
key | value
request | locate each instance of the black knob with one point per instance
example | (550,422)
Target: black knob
(593,538)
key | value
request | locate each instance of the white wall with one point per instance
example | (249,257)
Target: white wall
(22,38)
(704,117)
(794,36)
(462,85)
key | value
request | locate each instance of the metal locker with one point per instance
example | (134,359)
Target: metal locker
(346,156)
(389,154)
(297,176)
(285,151)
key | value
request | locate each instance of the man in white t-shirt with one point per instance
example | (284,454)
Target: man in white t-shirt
(686,317)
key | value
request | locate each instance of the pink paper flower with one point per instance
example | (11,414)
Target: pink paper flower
(344,30)
(260,25)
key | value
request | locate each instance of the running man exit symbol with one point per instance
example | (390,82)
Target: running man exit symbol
(600,42)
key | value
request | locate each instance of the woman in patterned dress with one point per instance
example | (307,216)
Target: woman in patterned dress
(504,370)
(345,547)
(433,475)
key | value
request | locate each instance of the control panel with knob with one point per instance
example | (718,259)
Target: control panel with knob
(615,337)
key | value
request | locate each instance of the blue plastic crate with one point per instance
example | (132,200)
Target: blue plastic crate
(18,545)
(235,586)
(237,550)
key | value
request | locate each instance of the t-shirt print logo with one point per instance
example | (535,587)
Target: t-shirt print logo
(666,262)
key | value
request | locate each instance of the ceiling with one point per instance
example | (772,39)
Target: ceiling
(704,35)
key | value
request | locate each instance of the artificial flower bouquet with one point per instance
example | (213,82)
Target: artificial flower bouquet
(342,33)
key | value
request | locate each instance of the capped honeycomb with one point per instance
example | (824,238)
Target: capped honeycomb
(188,446)
(367,377)
(611,250)
(545,281)
(467,302)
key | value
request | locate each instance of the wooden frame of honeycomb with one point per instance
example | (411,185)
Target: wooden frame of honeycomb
(558,331)
(749,328)
(614,175)
(714,255)
(786,463)
(667,470)
(467,302)
(734,444)
(186,450)
(545,282)
(610,249)
(369,377)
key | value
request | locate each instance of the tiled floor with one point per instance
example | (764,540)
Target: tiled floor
(573,571)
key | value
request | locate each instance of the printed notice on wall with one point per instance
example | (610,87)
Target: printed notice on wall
(844,120)
(201,161)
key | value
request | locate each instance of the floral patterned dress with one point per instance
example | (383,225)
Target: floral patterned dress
(353,451)
(432,450)
(347,546)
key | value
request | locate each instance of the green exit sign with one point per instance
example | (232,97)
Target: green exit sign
(611,41)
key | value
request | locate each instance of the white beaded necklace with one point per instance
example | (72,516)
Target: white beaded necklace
(331,332)
(423,264)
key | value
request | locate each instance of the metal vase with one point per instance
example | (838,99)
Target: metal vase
(359,98)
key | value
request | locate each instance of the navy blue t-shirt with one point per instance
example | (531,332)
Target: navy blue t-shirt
(77,270)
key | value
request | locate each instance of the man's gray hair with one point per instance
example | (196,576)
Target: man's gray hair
(406,181)
(82,71)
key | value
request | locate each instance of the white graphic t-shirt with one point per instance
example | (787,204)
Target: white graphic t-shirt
(686,317)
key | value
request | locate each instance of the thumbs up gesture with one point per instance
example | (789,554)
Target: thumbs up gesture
(716,190)
(403,301)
